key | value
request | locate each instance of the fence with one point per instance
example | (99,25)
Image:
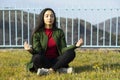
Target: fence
(97,27)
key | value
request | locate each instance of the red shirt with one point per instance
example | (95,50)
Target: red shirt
(51,51)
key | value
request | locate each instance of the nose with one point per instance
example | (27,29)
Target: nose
(49,17)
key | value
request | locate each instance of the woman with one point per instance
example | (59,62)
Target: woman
(49,49)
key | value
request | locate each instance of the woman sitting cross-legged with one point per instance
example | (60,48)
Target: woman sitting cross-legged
(49,49)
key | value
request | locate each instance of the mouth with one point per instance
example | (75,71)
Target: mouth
(50,21)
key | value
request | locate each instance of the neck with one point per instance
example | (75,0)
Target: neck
(48,26)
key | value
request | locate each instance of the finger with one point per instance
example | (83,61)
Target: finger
(25,43)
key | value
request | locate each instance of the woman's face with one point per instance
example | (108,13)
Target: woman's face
(48,18)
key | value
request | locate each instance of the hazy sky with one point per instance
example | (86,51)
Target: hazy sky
(92,17)
(61,3)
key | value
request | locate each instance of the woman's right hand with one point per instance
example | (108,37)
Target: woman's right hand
(26,46)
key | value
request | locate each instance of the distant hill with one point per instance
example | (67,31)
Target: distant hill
(88,32)
(14,23)
(76,21)
(113,25)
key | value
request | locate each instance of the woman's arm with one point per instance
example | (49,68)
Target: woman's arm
(36,45)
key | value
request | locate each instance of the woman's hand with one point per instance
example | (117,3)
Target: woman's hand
(26,46)
(79,43)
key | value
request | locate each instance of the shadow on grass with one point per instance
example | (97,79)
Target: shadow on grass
(84,68)
(90,67)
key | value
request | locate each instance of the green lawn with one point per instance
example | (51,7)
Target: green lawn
(88,65)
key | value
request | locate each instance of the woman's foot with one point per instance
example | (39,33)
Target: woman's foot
(44,71)
(66,70)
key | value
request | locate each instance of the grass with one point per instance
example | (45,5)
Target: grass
(88,65)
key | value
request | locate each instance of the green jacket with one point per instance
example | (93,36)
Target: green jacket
(40,40)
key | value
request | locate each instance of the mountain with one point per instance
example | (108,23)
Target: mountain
(113,23)
(87,31)
(15,22)
(83,31)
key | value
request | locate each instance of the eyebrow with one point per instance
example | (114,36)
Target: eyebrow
(48,14)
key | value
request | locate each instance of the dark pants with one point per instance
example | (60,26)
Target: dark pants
(40,61)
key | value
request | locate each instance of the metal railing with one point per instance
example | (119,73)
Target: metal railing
(97,27)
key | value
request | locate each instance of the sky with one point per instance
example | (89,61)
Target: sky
(61,3)
(71,4)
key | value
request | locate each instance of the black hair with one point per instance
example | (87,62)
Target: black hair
(40,22)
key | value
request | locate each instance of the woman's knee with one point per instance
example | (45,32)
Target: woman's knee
(37,57)
(70,53)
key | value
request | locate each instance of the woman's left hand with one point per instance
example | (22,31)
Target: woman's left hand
(79,43)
